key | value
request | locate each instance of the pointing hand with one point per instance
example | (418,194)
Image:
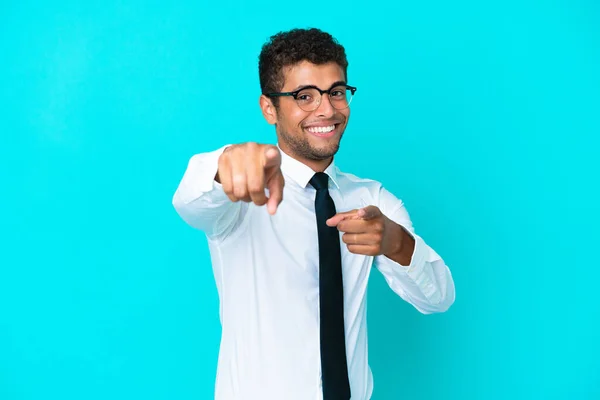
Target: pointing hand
(246,170)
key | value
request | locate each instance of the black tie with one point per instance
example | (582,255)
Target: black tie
(334,367)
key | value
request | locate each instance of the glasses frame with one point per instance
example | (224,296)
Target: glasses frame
(295,93)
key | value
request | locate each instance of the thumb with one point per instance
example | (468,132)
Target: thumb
(369,212)
(272,156)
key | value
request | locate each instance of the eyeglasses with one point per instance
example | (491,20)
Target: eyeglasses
(309,98)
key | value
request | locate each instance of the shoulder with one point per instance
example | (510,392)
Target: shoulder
(355,181)
(371,191)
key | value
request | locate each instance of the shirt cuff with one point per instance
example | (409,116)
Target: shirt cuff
(419,270)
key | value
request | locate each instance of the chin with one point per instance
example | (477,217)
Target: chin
(323,148)
(323,152)
(312,147)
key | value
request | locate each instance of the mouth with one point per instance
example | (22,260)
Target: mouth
(325,131)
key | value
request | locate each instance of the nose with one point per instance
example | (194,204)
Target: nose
(325,109)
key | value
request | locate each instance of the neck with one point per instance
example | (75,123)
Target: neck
(317,165)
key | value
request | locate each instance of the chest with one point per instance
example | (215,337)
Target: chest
(290,236)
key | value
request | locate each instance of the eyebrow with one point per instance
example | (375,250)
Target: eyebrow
(338,83)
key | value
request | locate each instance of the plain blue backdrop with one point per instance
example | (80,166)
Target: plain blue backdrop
(482,116)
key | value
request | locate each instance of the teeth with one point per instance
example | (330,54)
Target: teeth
(321,129)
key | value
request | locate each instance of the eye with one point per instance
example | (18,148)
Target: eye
(305,97)
(338,93)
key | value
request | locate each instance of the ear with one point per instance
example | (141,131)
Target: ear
(268,109)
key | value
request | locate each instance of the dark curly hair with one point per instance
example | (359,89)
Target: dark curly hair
(291,47)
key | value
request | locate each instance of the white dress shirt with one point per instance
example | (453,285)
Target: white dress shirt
(267,275)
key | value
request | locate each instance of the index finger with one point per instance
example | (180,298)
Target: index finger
(272,157)
(275,187)
(357,225)
(339,217)
(256,183)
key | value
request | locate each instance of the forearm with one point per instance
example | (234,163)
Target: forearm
(425,282)
(403,244)
(200,201)
(414,271)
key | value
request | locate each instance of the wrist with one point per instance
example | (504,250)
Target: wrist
(402,245)
(225,150)
(396,234)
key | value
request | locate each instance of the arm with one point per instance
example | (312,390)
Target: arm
(217,187)
(201,201)
(413,270)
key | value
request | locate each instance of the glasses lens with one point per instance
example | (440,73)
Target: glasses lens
(340,97)
(310,99)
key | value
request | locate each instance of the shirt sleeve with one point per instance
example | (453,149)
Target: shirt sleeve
(426,282)
(200,200)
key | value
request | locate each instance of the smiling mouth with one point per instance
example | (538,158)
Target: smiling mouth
(322,131)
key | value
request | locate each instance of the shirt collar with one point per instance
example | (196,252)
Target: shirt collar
(302,173)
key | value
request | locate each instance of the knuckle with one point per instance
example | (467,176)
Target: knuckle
(223,161)
(255,187)
(227,186)
(240,191)
(230,152)
(252,147)
(239,179)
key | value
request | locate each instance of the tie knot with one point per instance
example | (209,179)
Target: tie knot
(320,180)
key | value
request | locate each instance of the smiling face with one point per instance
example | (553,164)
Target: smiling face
(312,137)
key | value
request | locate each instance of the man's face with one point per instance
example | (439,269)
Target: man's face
(307,134)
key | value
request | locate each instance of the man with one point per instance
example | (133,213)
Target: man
(293,238)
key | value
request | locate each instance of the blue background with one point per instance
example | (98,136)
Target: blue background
(482,116)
